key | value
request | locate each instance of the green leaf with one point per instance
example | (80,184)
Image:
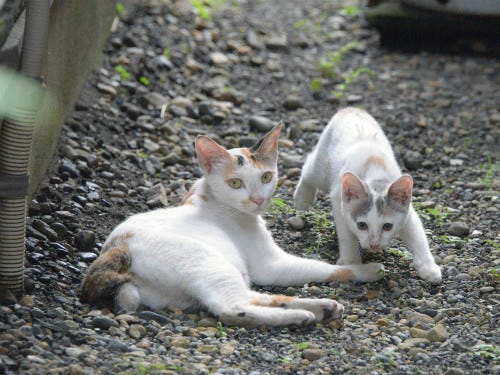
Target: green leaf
(120,9)
(145,81)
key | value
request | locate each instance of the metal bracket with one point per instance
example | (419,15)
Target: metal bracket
(12,187)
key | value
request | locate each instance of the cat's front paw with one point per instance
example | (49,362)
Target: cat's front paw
(431,273)
(326,309)
(368,272)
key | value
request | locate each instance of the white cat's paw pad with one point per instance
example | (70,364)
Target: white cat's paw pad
(431,274)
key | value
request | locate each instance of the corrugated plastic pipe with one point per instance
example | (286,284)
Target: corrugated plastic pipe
(15,147)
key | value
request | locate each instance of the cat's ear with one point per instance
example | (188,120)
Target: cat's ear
(209,152)
(268,145)
(352,187)
(400,191)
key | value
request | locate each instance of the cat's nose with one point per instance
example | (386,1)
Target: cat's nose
(257,201)
(374,246)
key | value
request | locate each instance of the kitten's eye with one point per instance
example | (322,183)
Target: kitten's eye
(266,177)
(387,227)
(362,225)
(234,183)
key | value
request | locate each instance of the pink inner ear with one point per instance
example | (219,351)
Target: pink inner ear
(209,152)
(352,187)
(401,190)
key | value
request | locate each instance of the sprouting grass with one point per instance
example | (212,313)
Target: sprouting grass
(439,214)
(205,7)
(166,53)
(120,9)
(382,274)
(399,253)
(124,74)
(349,79)
(493,244)
(323,231)
(316,84)
(328,65)
(144,80)
(488,351)
(495,274)
(302,345)
(490,171)
(351,10)
(221,329)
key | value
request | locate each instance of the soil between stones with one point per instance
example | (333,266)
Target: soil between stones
(168,76)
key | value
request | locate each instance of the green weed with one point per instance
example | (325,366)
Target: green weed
(316,84)
(327,66)
(399,253)
(221,329)
(438,214)
(351,10)
(302,345)
(144,80)
(494,244)
(323,230)
(495,274)
(205,7)
(488,351)
(300,24)
(382,274)
(350,78)
(166,53)
(120,9)
(490,171)
(124,74)
(285,360)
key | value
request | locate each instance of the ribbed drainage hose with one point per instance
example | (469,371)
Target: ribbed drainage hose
(15,147)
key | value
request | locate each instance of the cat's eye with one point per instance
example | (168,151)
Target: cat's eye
(234,183)
(266,177)
(362,225)
(387,227)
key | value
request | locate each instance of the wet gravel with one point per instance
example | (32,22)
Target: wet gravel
(168,76)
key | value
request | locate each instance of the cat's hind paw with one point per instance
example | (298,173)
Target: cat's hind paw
(431,274)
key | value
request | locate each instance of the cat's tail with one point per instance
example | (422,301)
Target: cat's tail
(109,283)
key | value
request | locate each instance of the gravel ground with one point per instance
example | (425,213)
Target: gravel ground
(168,76)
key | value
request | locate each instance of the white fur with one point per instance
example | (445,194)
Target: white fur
(212,248)
(351,138)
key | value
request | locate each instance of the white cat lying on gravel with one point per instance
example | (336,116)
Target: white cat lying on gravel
(210,249)
(371,199)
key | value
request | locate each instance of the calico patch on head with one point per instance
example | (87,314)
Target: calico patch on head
(243,178)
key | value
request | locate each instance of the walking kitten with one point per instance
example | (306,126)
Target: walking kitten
(371,199)
(208,250)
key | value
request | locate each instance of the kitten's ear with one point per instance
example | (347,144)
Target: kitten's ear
(400,191)
(268,145)
(209,152)
(352,187)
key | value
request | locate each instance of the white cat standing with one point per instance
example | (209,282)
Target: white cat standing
(210,249)
(371,199)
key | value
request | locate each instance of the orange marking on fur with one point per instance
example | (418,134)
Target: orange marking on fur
(256,160)
(203,197)
(276,301)
(119,240)
(341,275)
(375,161)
